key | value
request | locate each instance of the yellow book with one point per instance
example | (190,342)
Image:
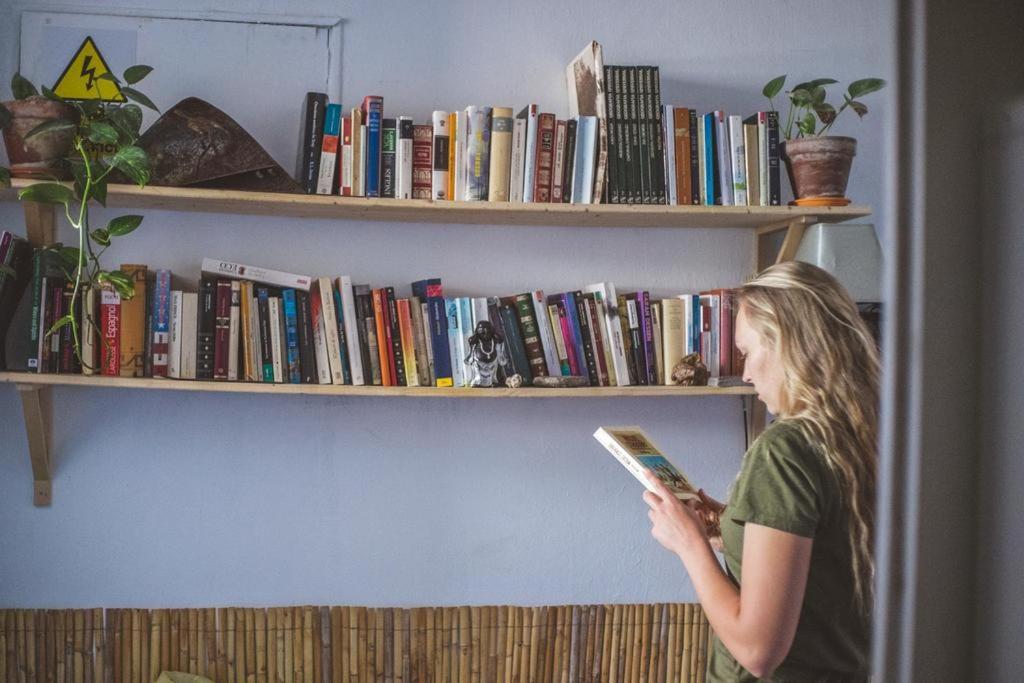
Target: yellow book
(408,343)
(357,152)
(453,132)
(133,323)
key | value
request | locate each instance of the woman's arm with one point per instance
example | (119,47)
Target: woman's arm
(756,624)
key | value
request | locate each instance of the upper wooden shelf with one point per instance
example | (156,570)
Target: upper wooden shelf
(480,213)
(31,379)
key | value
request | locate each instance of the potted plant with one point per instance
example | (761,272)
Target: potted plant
(102,137)
(42,156)
(818,164)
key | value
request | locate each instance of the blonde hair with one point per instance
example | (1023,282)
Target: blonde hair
(830,387)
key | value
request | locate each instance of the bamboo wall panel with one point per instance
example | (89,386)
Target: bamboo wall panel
(306,644)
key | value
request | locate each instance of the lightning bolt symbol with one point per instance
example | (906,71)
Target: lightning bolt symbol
(90,73)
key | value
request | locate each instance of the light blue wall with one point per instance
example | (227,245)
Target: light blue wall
(184,500)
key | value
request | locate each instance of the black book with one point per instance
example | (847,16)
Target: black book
(774,179)
(716,182)
(311,138)
(366,329)
(612,166)
(307,354)
(514,346)
(266,369)
(339,316)
(396,337)
(694,158)
(644,121)
(388,158)
(636,179)
(587,339)
(206,326)
(570,158)
(16,306)
(636,337)
(658,147)
(643,300)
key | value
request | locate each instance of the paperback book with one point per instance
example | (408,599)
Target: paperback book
(638,454)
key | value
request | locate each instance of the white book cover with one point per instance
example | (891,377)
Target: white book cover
(668,134)
(530,153)
(464,316)
(255,355)
(425,317)
(673,336)
(459,136)
(439,177)
(234,329)
(613,325)
(362,161)
(276,348)
(738,159)
(723,149)
(451,307)
(606,341)
(480,312)
(762,155)
(323,363)
(326,293)
(189,322)
(404,187)
(348,314)
(345,166)
(583,162)
(638,454)
(689,340)
(518,154)
(89,331)
(174,345)
(277,278)
(547,340)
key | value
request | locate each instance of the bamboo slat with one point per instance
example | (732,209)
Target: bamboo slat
(702,647)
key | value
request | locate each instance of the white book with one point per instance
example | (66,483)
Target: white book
(762,155)
(174,344)
(459,136)
(638,454)
(673,336)
(234,329)
(738,160)
(518,152)
(362,161)
(668,133)
(606,341)
(530,152)
(323,363)
(348,314)
(189,313)
(255,355)
(90,316)
(324,290)
(274,307)
(547,339)
(451,307)
(277,278)
(464,316)
(724,158)
(583,161)
(480,312)
(404,186)
(613,325)
(345,166)
(439,177)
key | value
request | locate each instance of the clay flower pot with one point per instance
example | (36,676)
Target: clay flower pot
(819,167)
(43,155)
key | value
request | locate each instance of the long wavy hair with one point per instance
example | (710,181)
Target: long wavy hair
(830,390)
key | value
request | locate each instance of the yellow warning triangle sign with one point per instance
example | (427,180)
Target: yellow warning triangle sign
(81,77)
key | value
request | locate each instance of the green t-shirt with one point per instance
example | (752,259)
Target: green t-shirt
(785,484)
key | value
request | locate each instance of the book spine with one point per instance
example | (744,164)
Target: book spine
(345,165)
(339,314)
(636,339)
(234,328)
(514,345)
(681,151)
(420,344)
(543,322)
(668,131)
(277,344)
(518,155)
(451,308)
(501,155)
(658,141)
(395,338)
(443,368)
(389,158)
(189,322)
(586,340)
(383,344)
(545,158)
(428,345)
(358,144)
(67,353)
(439,186)
(555,317)
(576,362)
(89,323)
(633,87)
(324,291)
(694,159)
(530,153)
(319,330)
(531,335)
(558,171)
(422,164)
(363,302)
(325,183)
(110,330)
(221,329)
(723,158)
(774,179)
(478,152)
(230,269)
(595,323)
(751,154)
(572,315)
(713,192)
(39,256)
(465,321)
(403,174)
(351,321)
(570,159)
(611,120)
(311,141)
(161,322)
(373,111)
(659,361)
(738,160)
(133,324)
(291,370)
(251,311)
(406,341)
(644,299)
(646,141)
(762,155)
(456,154)
(307,350)
(607,342)
(266,351)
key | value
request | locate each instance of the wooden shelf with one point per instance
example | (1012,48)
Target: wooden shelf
(26,379)
(476,213)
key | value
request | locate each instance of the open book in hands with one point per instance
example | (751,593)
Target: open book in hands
(637,453)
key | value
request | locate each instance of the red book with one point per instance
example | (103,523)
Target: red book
(422,161)
(383,341)
(110,332)
(221,336)
(545,159)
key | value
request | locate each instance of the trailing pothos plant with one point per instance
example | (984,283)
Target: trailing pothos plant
(807,105)
(105,137)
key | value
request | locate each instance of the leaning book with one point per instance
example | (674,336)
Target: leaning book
(637,453)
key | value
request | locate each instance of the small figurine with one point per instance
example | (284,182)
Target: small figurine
(690,372)
(486,355)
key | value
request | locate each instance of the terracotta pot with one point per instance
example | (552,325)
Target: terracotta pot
(43,156)
(819,167)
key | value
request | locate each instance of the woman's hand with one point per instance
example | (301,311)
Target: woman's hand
(676,526)
(710,511)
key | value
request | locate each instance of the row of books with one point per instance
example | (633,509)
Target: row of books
(254,324)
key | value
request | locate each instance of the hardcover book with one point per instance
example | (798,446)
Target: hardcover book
(439,182)
(501,154)
(638,454)
(311,134)
(422,164)
(133,323)
(585,84)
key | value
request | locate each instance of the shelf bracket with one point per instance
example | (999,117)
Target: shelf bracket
(35,404)
(766,236)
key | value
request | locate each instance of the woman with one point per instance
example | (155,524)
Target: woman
(794,602)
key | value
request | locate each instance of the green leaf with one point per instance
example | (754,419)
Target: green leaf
(109,77)
(21,88)
(817,82)
(5,177)
(50,95)
(801,97)
(806,125)
(134,74)
(122,283)
(8,271)
(128,119)
(865,86)
(65,320)
(818,95)
(5,117)
(102,133)
(47,193)
(99,191)
(133,94)
(122,225)
(133,162)
(100,236)
(826,112)
(70,256)
(50,127)
(772,87)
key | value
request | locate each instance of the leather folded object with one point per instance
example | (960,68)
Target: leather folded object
(195,144)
